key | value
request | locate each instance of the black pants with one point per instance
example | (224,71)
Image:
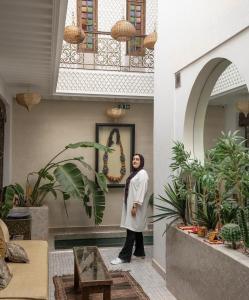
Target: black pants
(131,237)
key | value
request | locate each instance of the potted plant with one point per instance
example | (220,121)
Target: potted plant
(63,177)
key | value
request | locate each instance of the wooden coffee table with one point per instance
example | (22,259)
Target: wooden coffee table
(90,272)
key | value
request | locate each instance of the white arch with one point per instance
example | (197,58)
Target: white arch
(198,102)
(198,79)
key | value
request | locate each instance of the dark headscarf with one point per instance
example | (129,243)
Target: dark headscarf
(133,173)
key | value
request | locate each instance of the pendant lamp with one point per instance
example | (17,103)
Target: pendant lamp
(28,99)
(123,31)
(150,40)
(74,34)
(115,113)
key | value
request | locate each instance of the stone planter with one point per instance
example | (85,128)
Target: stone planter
(39,221)
(197,270)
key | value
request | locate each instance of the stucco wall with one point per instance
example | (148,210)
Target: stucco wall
(40,134)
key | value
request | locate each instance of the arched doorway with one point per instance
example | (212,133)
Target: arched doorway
(199,100)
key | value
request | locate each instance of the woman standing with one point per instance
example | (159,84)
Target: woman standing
(134,211)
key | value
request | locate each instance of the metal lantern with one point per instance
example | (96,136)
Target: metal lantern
(115,113)
(73,34)
(123,31)
(28,99)
(150,40)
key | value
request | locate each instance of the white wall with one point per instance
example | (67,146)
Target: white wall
(40,134)
(188,31)
(192,28)
(7,165)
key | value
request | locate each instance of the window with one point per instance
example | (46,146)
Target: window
(88,21)
(136,15)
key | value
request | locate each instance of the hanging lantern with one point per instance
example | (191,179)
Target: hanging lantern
(115,113)
(242,104)
(74,34)
(150,40)
(123,31)
(28,99)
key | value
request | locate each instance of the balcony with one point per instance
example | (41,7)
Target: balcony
(109,55)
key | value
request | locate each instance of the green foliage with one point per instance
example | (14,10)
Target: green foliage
(229,211)
(206,207)
(206,214)
(9,196)
(243,219)
(216,188)
(175,202)
(231,233)
(230,164)
(151,200)
(64,177)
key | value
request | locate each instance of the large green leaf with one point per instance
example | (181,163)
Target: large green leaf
(7,202)
(19,190)
(98,206)
(70,178)
(98,201)
(101,179)
(97,146)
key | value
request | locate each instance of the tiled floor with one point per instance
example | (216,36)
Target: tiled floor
(61,262)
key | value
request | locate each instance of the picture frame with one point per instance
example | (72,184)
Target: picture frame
(117,165)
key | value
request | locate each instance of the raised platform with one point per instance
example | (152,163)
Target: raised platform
(197,270)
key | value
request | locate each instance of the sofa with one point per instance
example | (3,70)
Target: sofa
(29,280)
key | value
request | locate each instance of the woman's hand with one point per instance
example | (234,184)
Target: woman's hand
(134,211)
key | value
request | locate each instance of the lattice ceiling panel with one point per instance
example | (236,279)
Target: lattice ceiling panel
(105,83)
(228,80)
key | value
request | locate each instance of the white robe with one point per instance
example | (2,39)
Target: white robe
(137,192)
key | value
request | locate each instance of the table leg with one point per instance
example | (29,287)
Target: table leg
(85,293)
(107,293)
(76,276)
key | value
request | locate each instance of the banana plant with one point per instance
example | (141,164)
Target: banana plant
(65,177)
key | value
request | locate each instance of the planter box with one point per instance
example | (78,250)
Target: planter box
(197,270)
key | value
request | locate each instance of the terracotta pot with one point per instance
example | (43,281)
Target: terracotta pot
(202,231)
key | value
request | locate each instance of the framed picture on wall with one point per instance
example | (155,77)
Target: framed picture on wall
(116,166)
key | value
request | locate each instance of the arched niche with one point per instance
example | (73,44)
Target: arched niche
(198,102)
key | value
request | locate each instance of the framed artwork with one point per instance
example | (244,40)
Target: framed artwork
(116,166)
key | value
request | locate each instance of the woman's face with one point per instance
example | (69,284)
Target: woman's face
(136,161)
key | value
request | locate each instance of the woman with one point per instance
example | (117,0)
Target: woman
(134,211)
